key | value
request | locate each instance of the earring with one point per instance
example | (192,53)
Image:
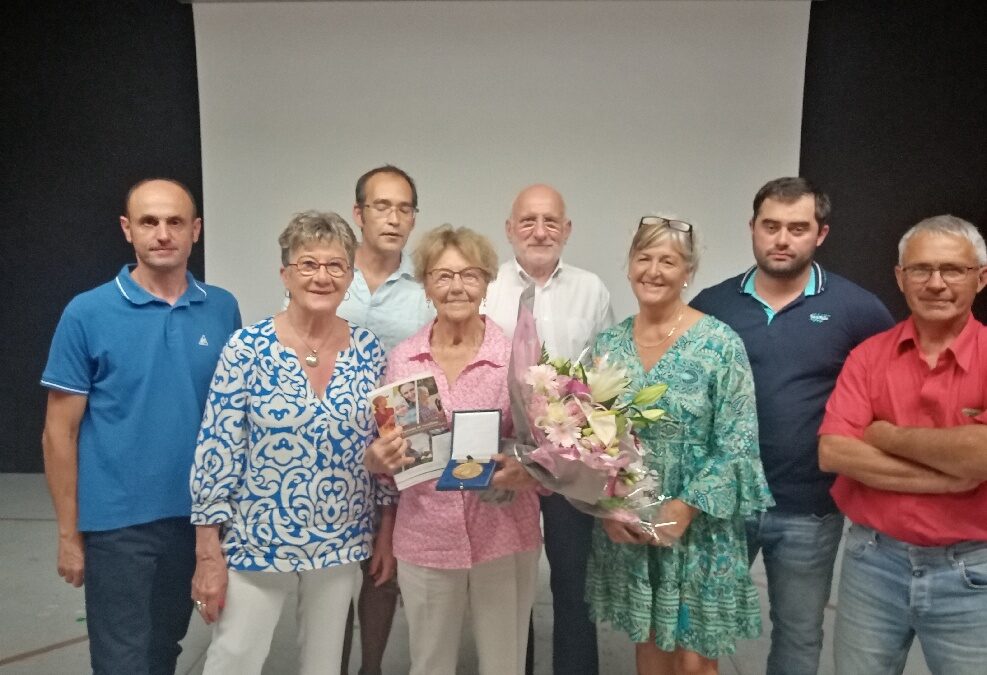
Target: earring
(428,302)
(483,302)
(346,296)
(685,285)
(287,294)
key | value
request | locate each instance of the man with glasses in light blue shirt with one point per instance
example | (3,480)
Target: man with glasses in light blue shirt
(384,298)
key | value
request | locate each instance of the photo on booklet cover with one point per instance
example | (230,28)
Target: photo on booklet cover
(414,404)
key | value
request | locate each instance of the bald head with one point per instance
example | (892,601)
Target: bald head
(538,230)
(540,196)
(176,190)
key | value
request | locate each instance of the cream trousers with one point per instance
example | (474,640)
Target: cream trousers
(499,594)
(241,638)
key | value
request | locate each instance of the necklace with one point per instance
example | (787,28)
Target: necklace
(312,359)
(660,342)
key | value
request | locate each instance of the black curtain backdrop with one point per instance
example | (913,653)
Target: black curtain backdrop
(894,127)
(97,95)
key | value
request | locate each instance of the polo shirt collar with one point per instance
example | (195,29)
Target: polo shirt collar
(815,285)
(490,351)
(962,348)
(527,279)
(136,294)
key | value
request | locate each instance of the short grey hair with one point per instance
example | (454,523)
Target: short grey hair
(652,235)
(311,226)
(947,224)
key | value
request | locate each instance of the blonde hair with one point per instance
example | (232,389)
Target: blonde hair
(653,235)
(473,246)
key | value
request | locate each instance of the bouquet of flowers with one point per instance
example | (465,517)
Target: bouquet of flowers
(577,426)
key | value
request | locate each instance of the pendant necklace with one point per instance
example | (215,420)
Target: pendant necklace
(312,359)
(660,342)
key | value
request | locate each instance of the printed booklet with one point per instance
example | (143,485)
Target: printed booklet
(413,404)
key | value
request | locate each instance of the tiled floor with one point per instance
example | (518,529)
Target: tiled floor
(42,623)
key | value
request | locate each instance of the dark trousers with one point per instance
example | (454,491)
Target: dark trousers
(568,536)
(376,608)
(139,596)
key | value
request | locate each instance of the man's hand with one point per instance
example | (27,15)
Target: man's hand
(880,434)
(383,564)
(388,453)
(71,560)
(510,475)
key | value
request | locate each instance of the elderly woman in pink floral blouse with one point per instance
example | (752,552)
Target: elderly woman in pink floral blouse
(454,549)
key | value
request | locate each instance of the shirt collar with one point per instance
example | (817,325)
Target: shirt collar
(961,348)
(526,278)
(493,349)
(815,285)
(136,294)
(406,268)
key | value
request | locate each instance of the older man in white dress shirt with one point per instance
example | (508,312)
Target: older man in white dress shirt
(571,306)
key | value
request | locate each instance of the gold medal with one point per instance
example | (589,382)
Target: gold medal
(467,470)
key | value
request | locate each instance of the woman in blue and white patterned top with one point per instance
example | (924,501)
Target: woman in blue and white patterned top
(281,499)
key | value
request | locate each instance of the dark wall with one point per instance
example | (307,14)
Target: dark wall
(894,127)
(96,95)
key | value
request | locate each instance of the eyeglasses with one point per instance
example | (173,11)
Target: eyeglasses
(552,228)
(951,274)
(470,276)
(658,221)
(308,267)
(383,206)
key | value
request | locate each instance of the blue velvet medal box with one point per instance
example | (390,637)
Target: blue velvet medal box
(475,439)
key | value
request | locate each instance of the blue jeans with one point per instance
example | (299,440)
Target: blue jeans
(799,551)
(139,596)
(891,591)
(568,534)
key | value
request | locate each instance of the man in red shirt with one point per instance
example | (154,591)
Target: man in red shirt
(906,430)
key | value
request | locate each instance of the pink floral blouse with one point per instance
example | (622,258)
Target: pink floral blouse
(456,530)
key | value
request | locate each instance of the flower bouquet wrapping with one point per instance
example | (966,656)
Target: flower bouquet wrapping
(576,422)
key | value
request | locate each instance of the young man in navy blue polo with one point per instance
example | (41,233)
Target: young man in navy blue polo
(127,378)
(798,323)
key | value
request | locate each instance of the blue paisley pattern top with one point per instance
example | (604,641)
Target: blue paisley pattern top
(697,595)
(281,468)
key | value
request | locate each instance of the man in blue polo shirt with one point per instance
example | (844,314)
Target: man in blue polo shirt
(127,379)
(798,323)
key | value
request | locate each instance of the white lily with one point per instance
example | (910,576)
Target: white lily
(602,422)
(606,381)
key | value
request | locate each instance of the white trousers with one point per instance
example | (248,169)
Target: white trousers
(241,638)
(499,594)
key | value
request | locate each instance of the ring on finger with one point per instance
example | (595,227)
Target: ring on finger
(199,605)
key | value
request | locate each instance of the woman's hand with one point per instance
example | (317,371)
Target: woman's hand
(625,533)
(510,475)
(387,454)
(383,564)
(678,515)
(211,576)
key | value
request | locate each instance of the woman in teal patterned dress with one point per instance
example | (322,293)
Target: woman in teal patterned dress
(684,605)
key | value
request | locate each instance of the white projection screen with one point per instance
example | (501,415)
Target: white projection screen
(628,108)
